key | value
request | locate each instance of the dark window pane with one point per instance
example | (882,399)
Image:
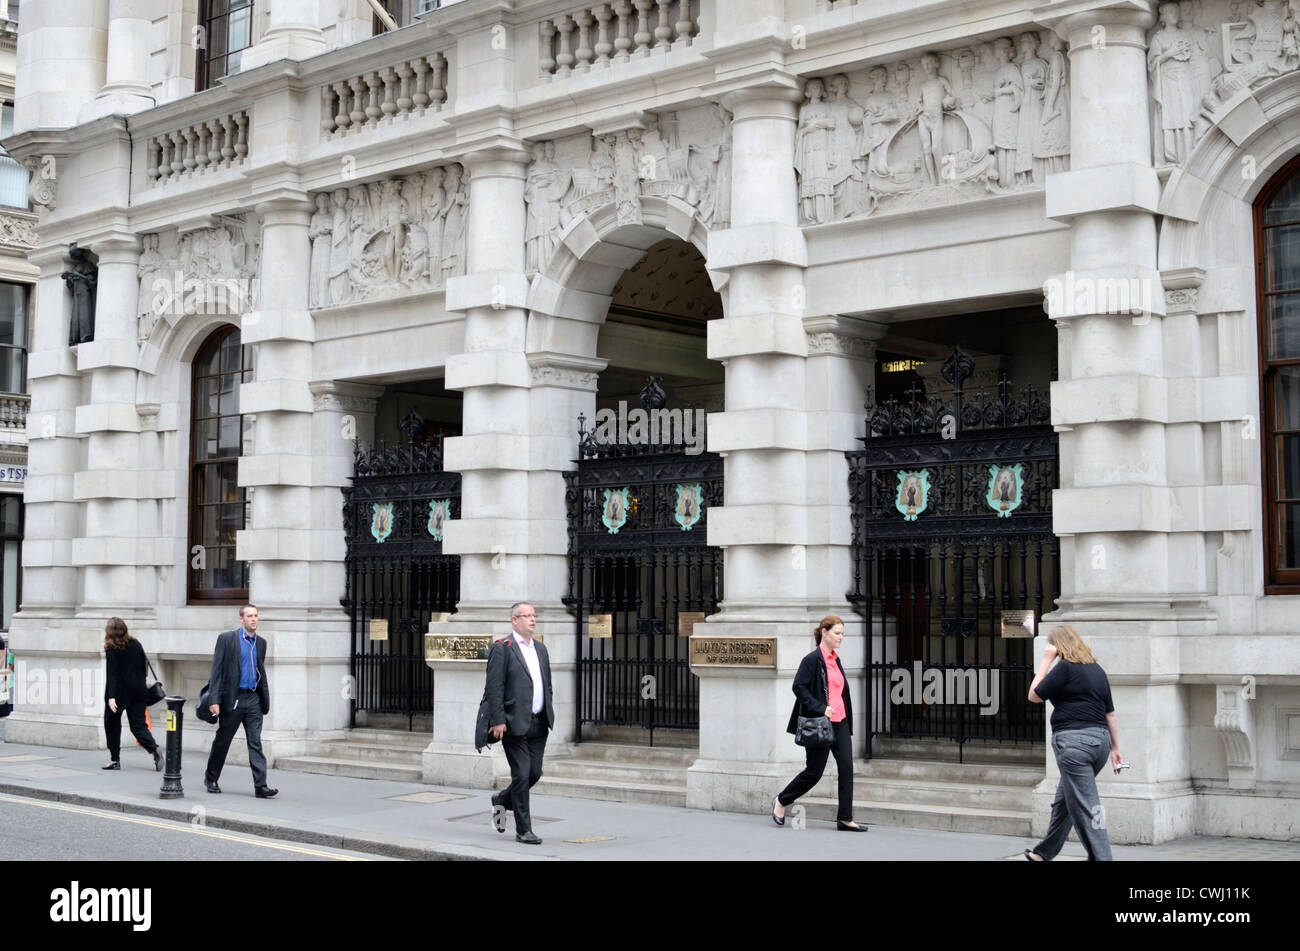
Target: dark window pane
(1285,205)
(1288,522)
(11,507)
(11,370)
(1284,327)
(1282,258)
(1288,466)
(1286,398)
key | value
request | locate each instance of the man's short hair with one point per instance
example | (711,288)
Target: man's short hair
(246,607)
(514,608)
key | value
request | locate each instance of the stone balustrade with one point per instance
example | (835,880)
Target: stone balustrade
(13,410)
(596,36)
(411,87)
(216,143)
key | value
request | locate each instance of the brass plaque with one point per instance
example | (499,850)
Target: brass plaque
(379,629)
(686,621)
(457,646)
(732,651)
(600,625)
(1017,623)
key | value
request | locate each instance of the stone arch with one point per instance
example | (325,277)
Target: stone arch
(1206,202)
(568,299)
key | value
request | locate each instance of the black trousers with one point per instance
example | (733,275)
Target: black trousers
(248,711)
(816,765)
(113,729)
(524,754)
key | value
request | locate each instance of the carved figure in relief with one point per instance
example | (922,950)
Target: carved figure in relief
(710,170)
(1008,91)
(339,288)
(394,234)
(880,120)
(627,193)
(415,248)
(812,155)
(936,96)
(1174,81)
(544,187)
(985,73)
(846,139)
(358,204)
(435,201)
(1033,76)
(1052,146)
(320,232)
(151,265)
(453,232)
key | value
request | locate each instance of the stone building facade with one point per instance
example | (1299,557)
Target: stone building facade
(505,215)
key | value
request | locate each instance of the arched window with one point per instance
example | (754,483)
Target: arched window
(1277,243)
(218,505)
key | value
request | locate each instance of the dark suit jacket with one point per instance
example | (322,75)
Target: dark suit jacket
(223,681)
(810,689)
(509,690)
(125,669)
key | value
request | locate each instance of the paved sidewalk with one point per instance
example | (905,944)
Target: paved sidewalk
(415,821)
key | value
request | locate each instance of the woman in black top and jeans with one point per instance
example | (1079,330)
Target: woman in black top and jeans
(1084,736)
(125,690)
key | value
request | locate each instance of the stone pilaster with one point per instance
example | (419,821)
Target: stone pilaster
(110,549)
(126,86)
(1132,576)
(765,525)
(294,33)
(60,62)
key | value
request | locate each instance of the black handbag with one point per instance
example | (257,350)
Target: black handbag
(201,708)
(483,728)
(816,733)
(155,691)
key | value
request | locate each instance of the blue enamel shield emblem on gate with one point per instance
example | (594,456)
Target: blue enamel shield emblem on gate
(439,512)
(690,505)
(913,493)
(614,514)
(381,521)
(1006,487)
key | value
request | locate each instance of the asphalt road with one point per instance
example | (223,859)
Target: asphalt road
(36,830)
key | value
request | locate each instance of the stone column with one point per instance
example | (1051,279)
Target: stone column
(109,548)
(60,62)
(43,634)
(763,435)
(344,415)
(1131,579)
(509,549)
(294,33)
(126,86)
(284,543)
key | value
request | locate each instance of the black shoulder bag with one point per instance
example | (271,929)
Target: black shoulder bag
(816,733)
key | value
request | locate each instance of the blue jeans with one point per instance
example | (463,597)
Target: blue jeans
(1080,756)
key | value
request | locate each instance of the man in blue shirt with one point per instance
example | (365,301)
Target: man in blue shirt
(239,693)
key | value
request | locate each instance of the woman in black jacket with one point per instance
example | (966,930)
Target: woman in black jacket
(822,689)
(125,690)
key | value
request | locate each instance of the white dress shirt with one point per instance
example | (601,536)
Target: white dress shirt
(529,650)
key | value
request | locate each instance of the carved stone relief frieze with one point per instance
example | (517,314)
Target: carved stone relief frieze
(17,232)
(1200,55)
(985,119)
(684,155)
(389,237)
(199,270)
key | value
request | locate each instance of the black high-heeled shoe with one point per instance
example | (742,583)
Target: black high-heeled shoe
(841,827)
(779,820)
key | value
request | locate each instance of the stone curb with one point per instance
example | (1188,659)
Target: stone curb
(406,849)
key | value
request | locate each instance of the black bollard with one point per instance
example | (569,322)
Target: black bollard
(171,787)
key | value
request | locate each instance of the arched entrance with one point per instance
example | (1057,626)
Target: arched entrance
(634,300)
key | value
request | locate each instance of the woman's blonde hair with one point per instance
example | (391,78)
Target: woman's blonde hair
(826,623)
(1070,646)
(115,634)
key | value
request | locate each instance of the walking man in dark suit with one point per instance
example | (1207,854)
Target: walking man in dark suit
(239,692)
(521,713)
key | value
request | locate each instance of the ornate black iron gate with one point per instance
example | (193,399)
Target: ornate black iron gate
(397,576)
(952,542)
(639,566)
